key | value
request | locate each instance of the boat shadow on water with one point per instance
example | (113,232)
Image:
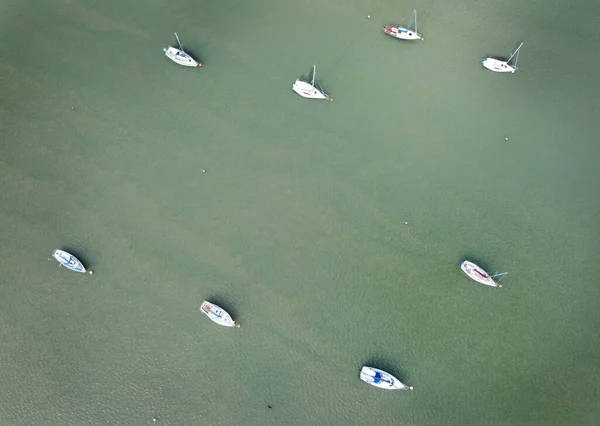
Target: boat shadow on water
(392,367)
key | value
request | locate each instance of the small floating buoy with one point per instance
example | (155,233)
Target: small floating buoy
(500,285)
(410,387)
(506,138)
(203,170)
(406,223)
(369,16)
(422,39)
(72,108)
(330,99)
(91,272)
(239,325)
(199,65)
(153,419)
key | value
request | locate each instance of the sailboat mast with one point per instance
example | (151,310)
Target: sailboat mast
(415,16)
(312,82)
(516,52)
(180,45)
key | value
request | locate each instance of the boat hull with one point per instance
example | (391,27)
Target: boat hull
(306,90)
(68,261)
(381,379)
(217,314)
(477,274)
(497,65)
(401,33)
(180,57)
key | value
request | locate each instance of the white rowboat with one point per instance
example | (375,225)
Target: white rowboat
(217,314)
(381,379)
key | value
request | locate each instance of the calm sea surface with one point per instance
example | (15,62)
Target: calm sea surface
(332,231)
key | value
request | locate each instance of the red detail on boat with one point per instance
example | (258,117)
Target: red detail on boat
(483,275)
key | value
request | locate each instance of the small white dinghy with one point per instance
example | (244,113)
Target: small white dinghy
(179,56)
(69,261)
(478,274)
(217,314)
(498,65)
(312,90)
(381,379)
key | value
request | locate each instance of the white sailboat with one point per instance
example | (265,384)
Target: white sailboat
(404,33)
(217,314)
(69,261)
(179,56)
(498,65)
(479,275)
(312,90)
(381,379)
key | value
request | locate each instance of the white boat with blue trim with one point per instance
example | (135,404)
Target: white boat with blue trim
(179,56)
(217,314)
(478,274)
(381,379)
(69,261)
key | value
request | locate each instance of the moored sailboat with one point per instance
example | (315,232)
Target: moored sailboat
(217,314)
(478,274)
(69,261)
(179,56)
(404,33)
(312,89)
(498,65)
(381,379)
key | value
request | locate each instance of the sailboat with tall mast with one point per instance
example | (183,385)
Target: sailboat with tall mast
(179,56)
(478,274)
(404,33)
(312,89)
(498,65)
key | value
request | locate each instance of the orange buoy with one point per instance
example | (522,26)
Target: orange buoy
(500,285)
(199,65)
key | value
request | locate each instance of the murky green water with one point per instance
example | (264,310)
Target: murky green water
(298,225)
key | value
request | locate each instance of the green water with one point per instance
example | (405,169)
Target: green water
(298,225)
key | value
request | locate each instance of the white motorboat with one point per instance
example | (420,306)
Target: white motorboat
(404,33)
(478,274)
(498,65)
(381,379)
(179,56)
(312,90)
(217,314)
(69,261)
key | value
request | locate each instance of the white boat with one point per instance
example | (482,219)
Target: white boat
(381,379)
(498,65)
(179,56)
(478,274)
(312,90)
(69,261)
(217,314)
(404,33)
